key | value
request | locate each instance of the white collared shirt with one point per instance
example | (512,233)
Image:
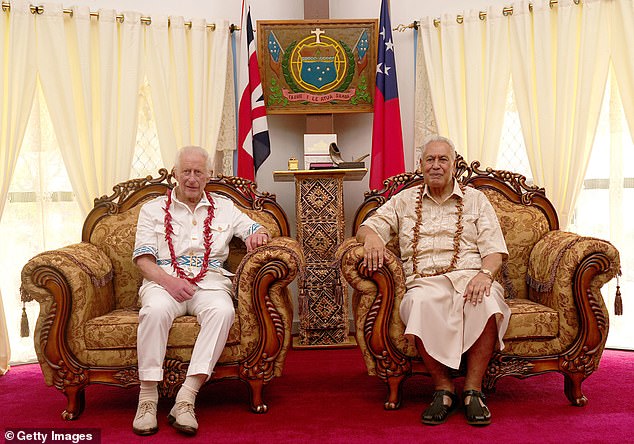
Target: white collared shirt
(188,228)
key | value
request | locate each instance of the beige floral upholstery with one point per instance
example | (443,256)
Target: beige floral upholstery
(522,226)
(88,295)
(115,235)
(552,281)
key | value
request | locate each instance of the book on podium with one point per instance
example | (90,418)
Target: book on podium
(322,166)
(351,165)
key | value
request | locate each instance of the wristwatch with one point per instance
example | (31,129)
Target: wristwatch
(487,272)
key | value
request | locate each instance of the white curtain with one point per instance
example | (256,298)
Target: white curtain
(622,48)
(226,145)
(467,66)
(560,59)
(424,118)
(5,347)
(18,78)
(90,75)
(187,72)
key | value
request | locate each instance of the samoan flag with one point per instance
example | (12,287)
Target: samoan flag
(275,54)
(362,46)
(254,145)
(387,137)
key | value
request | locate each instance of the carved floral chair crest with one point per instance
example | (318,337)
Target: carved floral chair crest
(86,330)
(552,281)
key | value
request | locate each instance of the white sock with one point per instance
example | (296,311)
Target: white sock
(149,391)
(190,387)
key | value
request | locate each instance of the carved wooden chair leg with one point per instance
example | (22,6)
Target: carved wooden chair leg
(395,388)
(256,387)
(572,389)
(76,401)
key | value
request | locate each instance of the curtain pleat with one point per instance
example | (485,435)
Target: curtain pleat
(467,67)
(5,347)
(559,64)
(424,117)
(187,72)
(91,84)
(17,31)
(226,144)
(18,77)
(622,49)
(222,106)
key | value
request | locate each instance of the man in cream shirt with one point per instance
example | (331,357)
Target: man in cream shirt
(452,246)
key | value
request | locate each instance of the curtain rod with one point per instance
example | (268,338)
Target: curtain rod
(39,9)
(506,11)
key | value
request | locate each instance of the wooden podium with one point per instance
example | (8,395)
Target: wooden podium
(323,297)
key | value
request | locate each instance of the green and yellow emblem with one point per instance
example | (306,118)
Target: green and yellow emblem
(313,69)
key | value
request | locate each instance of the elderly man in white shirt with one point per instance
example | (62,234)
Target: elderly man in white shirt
(452,245)
(182,241)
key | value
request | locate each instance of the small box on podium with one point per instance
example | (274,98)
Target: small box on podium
(316,149)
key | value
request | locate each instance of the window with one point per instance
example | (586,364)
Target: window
(41,212)
(512,154)
(605,207)
(606,200)
(147,153)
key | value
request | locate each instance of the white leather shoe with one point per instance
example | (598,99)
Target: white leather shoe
(145,420)
(183,418)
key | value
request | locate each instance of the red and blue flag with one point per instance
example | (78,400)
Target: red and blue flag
(254,145)
(387,137)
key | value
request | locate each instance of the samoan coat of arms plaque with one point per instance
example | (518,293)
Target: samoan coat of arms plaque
(317,66)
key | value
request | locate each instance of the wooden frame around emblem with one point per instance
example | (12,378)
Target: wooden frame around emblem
(317,66)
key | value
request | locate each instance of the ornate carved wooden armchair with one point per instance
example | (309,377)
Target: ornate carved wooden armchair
(552,281)
(86,330)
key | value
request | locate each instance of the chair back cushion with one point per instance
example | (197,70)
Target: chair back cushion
(523,226)
(115,235)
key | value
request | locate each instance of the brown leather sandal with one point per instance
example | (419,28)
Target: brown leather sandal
(438,412)
(477,413)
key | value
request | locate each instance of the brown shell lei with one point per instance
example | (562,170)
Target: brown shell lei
(456,237)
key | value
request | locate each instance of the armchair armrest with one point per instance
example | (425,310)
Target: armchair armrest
(265,306)
(375,302)
(72,285)
(566,272)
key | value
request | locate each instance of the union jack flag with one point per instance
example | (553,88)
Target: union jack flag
(254,145)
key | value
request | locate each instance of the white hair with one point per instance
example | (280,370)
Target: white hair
(436,138)
(193,149)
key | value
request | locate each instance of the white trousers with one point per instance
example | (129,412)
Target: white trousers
(215,314)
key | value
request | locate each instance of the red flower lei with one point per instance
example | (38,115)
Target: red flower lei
(207,240)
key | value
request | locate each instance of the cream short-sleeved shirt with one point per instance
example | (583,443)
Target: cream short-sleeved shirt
(481,235)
